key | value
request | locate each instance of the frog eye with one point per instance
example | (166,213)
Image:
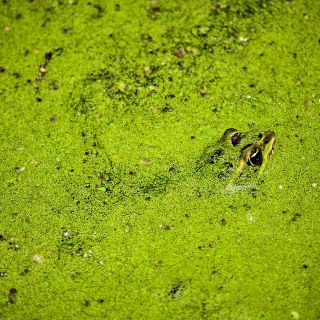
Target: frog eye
(260,135)
(255,157)
(236,139)
(229,131)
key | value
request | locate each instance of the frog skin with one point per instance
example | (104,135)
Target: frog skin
(237,154)
(234,162)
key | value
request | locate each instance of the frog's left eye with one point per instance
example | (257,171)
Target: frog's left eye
(255,157)
(236,139)
(230,130)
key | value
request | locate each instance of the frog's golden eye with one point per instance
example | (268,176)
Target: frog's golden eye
(236,139)
(255,157)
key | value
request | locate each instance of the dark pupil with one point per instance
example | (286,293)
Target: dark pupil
(236,139)
(255,157)
(266,140)
(259,135)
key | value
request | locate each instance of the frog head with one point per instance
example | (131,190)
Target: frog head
(237,153)
(256,154)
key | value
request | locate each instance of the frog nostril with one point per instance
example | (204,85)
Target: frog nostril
(272,149)
(266,140)
(236,139)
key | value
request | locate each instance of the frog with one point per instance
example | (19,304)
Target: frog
(236,161)
(237,156)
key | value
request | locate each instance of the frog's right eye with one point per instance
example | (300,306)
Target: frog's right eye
(255,157)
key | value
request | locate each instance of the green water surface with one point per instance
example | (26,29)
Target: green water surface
(98,101)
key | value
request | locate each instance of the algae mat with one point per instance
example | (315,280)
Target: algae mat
(105,109)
